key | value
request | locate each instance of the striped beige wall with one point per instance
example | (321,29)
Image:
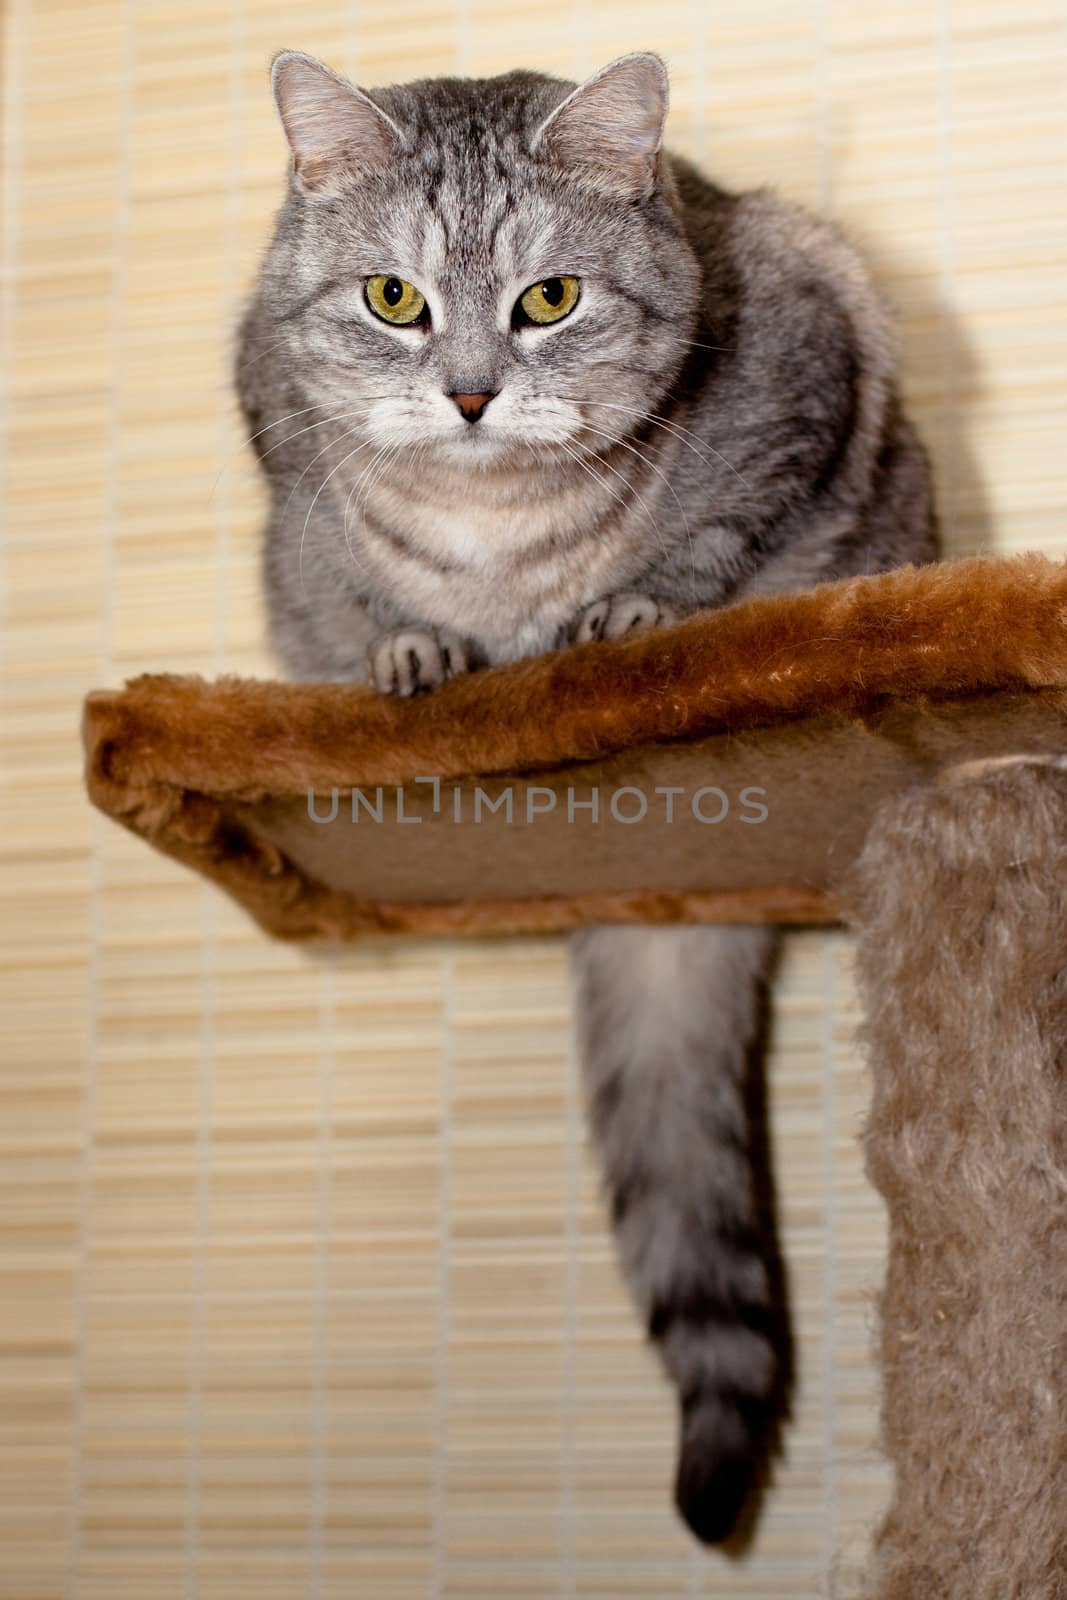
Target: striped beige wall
(304,1280)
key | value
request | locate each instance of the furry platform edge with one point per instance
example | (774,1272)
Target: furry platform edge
(825,701)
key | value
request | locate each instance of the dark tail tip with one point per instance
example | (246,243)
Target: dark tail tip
(720,1464)
(710,1495)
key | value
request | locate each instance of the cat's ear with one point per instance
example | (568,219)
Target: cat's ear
(611,126)
(335,131)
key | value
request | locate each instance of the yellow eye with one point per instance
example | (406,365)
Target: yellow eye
(395,300)
(550,300)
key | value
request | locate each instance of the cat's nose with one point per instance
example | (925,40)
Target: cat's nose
(471,405)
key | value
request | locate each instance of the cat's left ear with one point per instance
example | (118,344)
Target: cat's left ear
(611,127)
(335,131)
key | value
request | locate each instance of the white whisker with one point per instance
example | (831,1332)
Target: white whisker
(387,451)
(263,354)
(252,437)
(289,416)
(597,479)
(346,433)
(633,449)
(658,421)
(318,491)
(640,497)
(339,416)
(383,455)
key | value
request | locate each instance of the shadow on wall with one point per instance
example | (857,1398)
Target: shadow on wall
(964,513)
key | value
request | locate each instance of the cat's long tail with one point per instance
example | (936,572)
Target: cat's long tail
(667,1018)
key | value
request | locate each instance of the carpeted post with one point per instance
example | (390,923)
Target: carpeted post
(960,902)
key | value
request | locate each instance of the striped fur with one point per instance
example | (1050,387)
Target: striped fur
(668,1017)
(717,416)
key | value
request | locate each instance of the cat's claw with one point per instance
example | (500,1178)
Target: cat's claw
(617,614)
(412,660)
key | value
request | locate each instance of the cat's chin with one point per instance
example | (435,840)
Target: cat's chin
(479,448)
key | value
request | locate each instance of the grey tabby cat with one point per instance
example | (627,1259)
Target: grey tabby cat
(517,377)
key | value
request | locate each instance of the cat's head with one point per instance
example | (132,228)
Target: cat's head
(489,268)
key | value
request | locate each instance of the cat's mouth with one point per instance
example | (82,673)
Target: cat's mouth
(493,446)
(478,444)
(518,439)
(518,434)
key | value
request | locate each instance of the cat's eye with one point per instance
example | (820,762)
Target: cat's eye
(548,301)
(395,300)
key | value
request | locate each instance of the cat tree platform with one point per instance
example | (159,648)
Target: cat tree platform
(725,769)
(894,747)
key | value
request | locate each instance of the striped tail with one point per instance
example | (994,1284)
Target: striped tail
(667,1020)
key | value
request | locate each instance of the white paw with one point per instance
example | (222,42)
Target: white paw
(617,614)
(412,660)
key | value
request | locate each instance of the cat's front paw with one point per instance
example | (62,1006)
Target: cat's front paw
(412,660)
(617,614)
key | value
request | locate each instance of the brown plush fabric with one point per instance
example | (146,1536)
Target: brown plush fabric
(827,700)
(961,906)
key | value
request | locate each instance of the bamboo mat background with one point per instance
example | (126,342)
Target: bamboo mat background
(304,1279)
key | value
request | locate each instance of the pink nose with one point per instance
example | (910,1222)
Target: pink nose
(471,405)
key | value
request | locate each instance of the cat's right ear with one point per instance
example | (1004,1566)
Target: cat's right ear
(335,132)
